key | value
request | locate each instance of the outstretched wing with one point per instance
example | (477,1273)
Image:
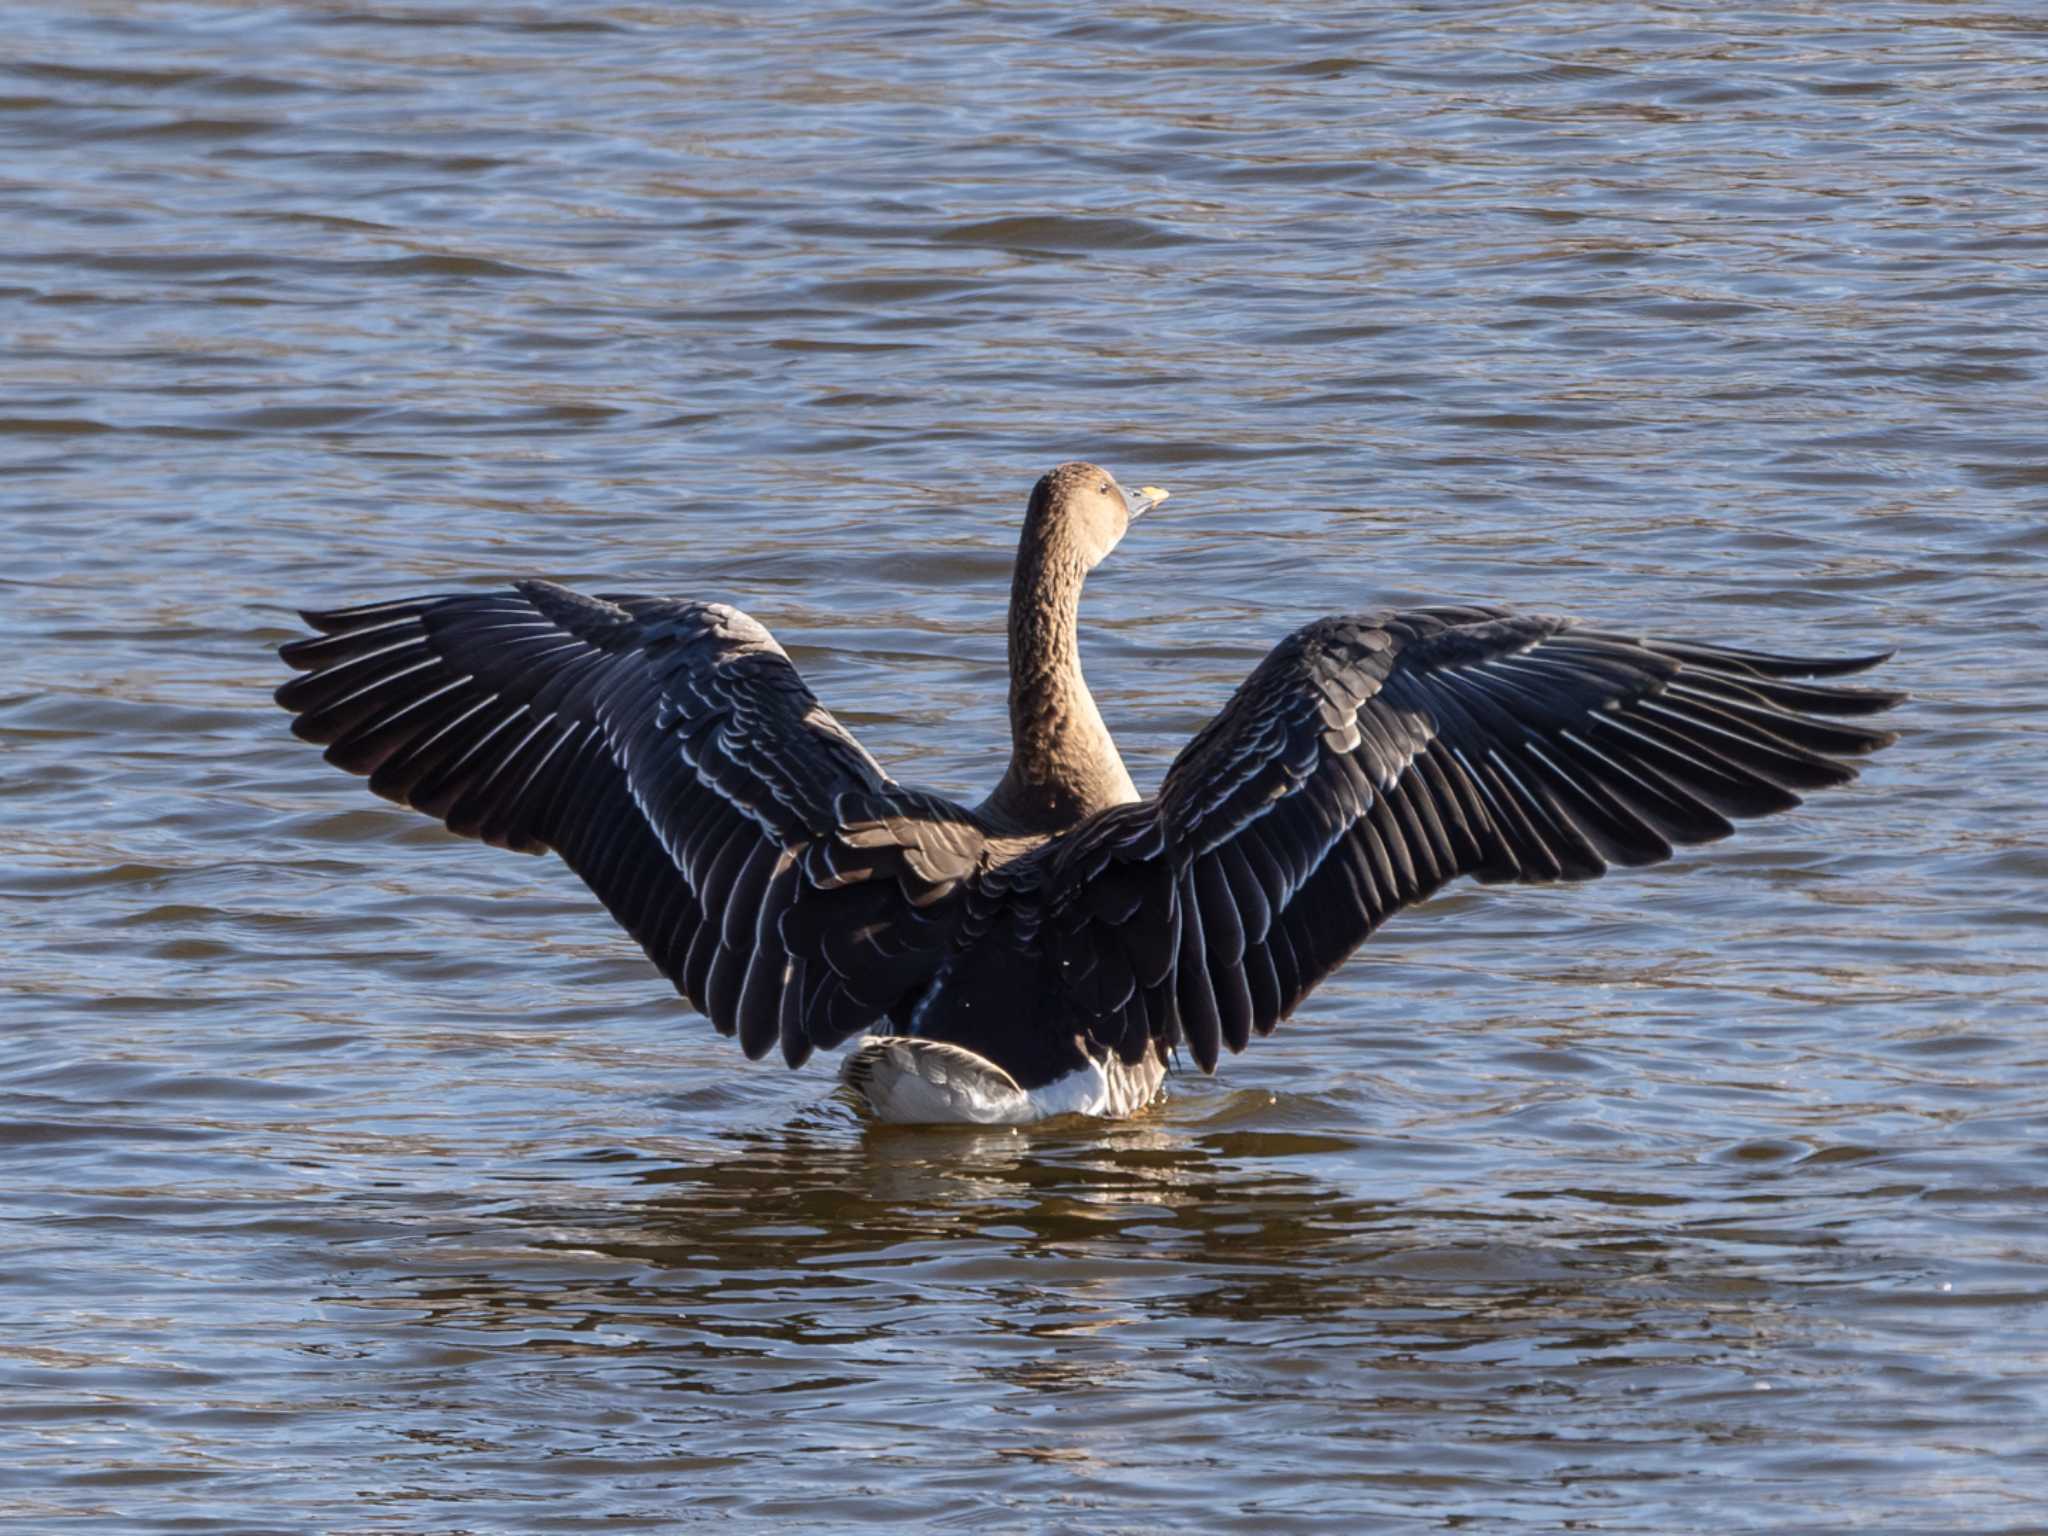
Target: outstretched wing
(1370,759)
(674,758)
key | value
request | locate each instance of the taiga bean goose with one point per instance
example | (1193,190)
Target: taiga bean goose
(1047,951)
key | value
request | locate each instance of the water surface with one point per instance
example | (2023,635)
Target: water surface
(357,1179)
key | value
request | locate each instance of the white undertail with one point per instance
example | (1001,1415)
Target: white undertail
(911,1081)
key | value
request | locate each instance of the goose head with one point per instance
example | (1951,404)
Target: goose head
(1080,508)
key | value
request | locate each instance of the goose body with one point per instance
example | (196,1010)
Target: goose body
(1047,951)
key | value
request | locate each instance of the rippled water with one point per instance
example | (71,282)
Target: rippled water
(359,1180)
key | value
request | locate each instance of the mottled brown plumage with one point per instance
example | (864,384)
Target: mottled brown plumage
(1063,765)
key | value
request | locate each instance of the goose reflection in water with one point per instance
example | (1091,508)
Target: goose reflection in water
(762,1254)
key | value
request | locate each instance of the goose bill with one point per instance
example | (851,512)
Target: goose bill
(1148,497)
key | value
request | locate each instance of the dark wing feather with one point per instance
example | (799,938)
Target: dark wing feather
(1368,760)
(673,757)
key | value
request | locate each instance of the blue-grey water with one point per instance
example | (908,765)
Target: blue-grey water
(356,1179)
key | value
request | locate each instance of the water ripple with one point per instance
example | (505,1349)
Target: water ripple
(359,1178)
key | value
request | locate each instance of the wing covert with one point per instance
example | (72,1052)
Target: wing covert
(673,756)
(1370,759)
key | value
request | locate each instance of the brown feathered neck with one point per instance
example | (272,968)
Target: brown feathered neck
(1063,764)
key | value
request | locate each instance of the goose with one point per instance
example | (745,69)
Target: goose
(1050,950)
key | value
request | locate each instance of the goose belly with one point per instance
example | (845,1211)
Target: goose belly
(908,1080)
